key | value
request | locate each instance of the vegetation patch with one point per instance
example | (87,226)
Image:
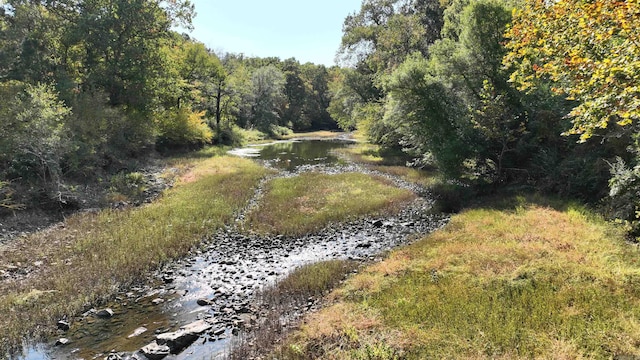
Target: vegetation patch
(300,289)
(526,281)
(324,134)
(58,272)
(310,201)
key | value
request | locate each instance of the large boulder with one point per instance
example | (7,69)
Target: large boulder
(155,351)
(178,340)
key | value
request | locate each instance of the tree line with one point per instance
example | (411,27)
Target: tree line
(535,94)
(87,87)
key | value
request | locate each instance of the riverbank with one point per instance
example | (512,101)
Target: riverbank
(511,277)
(82,262)
(90,258)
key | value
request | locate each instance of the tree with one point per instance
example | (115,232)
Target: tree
(589,51)
(295,91)
(32,140)
(457,105)
(267,97)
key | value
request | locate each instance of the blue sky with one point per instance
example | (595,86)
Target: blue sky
(310,31)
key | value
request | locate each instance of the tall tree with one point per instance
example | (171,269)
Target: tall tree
(267,97)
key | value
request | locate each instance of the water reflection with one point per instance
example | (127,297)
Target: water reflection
(288,155)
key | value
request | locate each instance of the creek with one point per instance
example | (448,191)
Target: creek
(219,280)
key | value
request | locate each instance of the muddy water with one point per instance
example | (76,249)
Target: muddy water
(230,267)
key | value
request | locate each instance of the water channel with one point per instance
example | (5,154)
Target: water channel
(231,267)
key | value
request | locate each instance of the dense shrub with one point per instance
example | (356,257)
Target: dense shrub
(32,136)
(182,128)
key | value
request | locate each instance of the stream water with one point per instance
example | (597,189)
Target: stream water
(230,267)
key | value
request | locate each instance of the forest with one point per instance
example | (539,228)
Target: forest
(524,94)
(89,89)
(491,93)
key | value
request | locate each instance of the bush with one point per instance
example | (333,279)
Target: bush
(279,131)
(181,128)
(6,198)
(97,134)
(32,136)
(127,186)
(624,196)
(231,135)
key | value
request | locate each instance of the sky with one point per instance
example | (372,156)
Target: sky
(310,31)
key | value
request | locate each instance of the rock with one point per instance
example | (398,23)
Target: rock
(155,351)
(63,325)
(178,340)
(377,223)
(104,313)
(62,342)
(137,332)
(197,327)
(204,302)
(219,331)
(113,356)
(243,310)
(157,301)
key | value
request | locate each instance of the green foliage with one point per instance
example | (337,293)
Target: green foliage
(32,136)
(624,192)
(182,128)
(131,185)
(267,97)
(279,131)
(426,112)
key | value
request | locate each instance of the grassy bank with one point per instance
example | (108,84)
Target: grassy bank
(88,258)
(310,201)
(523,280)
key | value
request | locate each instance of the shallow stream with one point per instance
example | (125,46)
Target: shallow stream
(230,267)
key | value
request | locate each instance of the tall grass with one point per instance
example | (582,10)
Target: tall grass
(524,282)
(92,255)
(310,201)
(299,290)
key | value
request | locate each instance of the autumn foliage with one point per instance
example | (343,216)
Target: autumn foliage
(589,50)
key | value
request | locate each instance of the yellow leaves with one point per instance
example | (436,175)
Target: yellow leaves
(590,51)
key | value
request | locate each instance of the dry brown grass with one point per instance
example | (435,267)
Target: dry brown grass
(496,283)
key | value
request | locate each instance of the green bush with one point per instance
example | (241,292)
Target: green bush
(230,135)
(32,136)
(624,196)
(127,186)
(278,131)
(182,128)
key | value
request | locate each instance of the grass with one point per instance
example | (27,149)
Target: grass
(308,282)
(86,260)
(513,279)
(310,201)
